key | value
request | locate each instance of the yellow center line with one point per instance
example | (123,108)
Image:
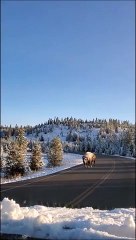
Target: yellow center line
(91,189)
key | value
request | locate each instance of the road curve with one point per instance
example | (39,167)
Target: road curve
(108,185)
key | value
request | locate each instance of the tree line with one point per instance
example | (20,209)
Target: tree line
(109,125)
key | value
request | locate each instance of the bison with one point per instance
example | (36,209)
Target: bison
(89,159)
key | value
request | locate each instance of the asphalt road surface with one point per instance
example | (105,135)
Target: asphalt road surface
(108,185)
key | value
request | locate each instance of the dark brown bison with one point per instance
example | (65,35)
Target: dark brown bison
(89,159)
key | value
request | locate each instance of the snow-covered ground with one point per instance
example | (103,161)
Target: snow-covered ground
(58,131)
(65,224)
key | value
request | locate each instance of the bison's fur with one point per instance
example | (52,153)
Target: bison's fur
(89,159)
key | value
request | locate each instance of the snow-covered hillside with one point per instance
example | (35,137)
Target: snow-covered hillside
(86,138)
(99,135)
(62,132)
(56,131)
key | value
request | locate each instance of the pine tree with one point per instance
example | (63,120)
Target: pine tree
(41,139)
(21,140)
(14,165)
(55,154)
(16,156)
(36,161)
(21,145)
(1,159)
(126,141)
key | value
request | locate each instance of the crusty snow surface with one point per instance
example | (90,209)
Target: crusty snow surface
(63,223)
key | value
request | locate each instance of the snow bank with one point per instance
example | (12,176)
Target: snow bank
(63,223)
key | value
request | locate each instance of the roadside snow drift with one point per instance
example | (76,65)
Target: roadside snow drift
(63,223)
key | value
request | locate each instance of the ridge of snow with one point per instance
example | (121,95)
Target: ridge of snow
(67,224)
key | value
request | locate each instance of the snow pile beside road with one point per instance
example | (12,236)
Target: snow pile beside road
(63,223)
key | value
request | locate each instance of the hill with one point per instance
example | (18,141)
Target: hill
(99,135)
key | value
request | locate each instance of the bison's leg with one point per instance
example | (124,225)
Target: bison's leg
(83,160)
(94,157)
(88,163)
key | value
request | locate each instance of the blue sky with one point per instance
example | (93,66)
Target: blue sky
(67,59)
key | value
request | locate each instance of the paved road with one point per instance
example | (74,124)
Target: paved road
(110,184)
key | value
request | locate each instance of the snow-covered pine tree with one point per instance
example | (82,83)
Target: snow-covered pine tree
(21,140)
(16,155)
(41,139)
(126,141)
(55,154)
(2,159)
(15,163)
(36,162)
(21,146)
(10,169)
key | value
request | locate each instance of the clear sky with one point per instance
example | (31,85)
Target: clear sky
(73,58)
